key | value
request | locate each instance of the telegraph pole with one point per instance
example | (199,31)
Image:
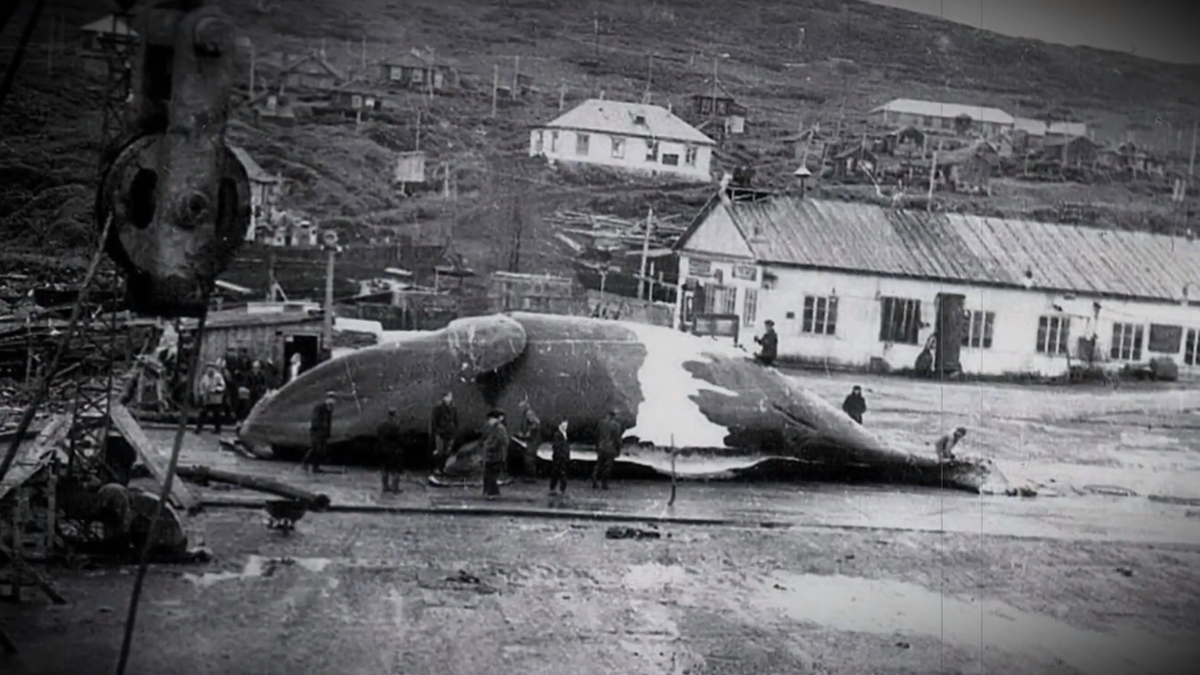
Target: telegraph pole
(645,252)
(330,255)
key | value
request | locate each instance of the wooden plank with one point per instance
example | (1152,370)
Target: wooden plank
(33,456)
(156,461)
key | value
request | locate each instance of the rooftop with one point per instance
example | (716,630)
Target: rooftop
(966,248)
(629,119)
(910,106)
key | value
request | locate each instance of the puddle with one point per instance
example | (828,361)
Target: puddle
(653,576)
(256,567)
(888,607)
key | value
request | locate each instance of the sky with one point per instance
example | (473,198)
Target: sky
(1167,30)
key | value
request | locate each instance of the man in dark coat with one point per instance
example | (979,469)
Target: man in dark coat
(560,458)
(257,382)
(391,449)
(319,431)
(608,448)
(443,427)
(531,435)
(495,446)
(855,405)
(769,342)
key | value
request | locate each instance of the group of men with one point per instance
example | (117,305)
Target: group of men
(229,388)
(496,440)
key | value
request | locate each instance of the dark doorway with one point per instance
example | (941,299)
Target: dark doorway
(307,346)
(950,329)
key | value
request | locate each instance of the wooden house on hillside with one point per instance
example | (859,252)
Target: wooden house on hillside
(1077,152)
(969,169)
(274,108)
(265,191)
(310,72)
(419,73)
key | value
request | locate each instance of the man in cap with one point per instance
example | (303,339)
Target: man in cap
(560,458)
(319,431)
(531,435)
(211,392)
(608,448)
(769,342)
(391,450)
(443,427)
(495,446)
(945,444)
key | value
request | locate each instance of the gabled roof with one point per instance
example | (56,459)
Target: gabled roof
(313,58)
(1030,126)
(106,26)
(946,110)
(618,117)
(254,172)
(968,249)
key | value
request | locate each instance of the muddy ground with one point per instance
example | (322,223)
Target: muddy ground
(849,579)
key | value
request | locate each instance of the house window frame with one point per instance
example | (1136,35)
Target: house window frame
(1054,335)
(820,315)
(356,101)
(980,329)
(749,306)
(651,151)
(689,155)
(583,144)
(553,141)
(618,147)
(908,330)
(727,296)
(1191,347)
(670,159)
(1128,341)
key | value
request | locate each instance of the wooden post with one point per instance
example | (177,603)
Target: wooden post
(645,252)
(933,177)
(562,95)
(495,86)
(327,328)
(516,85)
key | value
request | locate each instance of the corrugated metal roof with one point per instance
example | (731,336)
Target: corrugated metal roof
(965,248)
(910,106)
(618,117)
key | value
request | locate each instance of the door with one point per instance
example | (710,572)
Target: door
(307,347)
(950,327)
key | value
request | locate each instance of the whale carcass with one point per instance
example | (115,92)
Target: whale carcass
(717,411)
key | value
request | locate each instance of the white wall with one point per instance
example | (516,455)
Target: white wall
(600,153)
(1017,312)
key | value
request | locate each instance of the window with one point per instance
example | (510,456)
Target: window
(581,144)
(1191,347)
(927,121)
(1164,339)
(618,148)
(356,101)
(371,103)
(1126,342)
(418,75)
(979,330)
(689,157)
(553,141)
(670,160)
(899,320)
(820,316)
(750,307)
(1053,334)
(720,300)
(947,123)
(539,143)
(652,151)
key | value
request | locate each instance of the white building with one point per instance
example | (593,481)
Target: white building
(633,137)
(852,284)
(264,193)
(935,117)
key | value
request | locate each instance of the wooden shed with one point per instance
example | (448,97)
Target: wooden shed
(268,336)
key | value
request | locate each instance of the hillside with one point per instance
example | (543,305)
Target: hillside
(854,56)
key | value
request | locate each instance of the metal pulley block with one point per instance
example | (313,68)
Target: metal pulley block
(178,197)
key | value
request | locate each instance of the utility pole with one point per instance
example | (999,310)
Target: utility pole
(649,75)
(516,86)
(495,86)
(645,252)
(364,54)
(417,140)
(932,177)
(252,64)
(1192,159)
(562,95)
(327,328)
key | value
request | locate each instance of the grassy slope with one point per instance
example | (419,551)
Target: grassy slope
(340,174)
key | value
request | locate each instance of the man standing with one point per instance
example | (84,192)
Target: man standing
(560,459)
(390,445)
(495,444)
(443,426)
(945,444)
(770,345)
(212,398)
(608,448)
(531,435)
(855,405)
(257,383)
(319,431)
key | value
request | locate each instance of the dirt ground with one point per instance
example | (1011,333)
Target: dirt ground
(849,580)
(421,594)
